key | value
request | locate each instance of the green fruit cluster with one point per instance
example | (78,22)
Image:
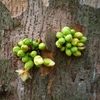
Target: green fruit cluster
(29,52)
(70,41)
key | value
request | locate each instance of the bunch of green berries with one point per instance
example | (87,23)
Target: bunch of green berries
(70,41)
(29,52)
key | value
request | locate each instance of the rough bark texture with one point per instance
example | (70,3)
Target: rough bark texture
(72,78)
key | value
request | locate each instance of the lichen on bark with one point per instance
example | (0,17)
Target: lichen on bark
(6,22)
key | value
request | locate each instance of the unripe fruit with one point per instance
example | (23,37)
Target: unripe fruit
(75,41)
(80,44)
(42,46)
(33,53)
(66,30)
(73,31)
(61,41)
(20,43)
(28,65)
(48,62)
(77,53)
(68,52)
(20,53)
(38,60)
(68,38)
(35,44)
(62,48)
(81,48)
(68,45)
(74,49)
(25,58)
(83,39)
(78,35)
(27,41)
(24,48)
(59,35)
(16,49)
(58,44)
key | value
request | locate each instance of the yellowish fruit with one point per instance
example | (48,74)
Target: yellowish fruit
(75,41)
(81,48)
(58,44)
(38,60)
(80,44)
(78,35)
(48,62)
(24,47)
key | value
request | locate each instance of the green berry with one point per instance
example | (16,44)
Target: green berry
(59,35)
(28,65)
(83,39)
(62,48)
(72,31)
(16,49)
(27,41)
(35,44)
(42,46)
(25,58)
(68,38)
(20,53)
(77,53)
(61,41)
(66,30)
(74,49)
(20,43)
(68,52)
(68,45)
(33,53)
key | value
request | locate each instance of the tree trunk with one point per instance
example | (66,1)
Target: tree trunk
(72,78)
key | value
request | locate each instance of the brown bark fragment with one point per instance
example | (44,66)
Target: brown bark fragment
(79,28)
(44,70)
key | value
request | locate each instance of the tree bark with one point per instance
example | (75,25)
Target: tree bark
(72,78)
